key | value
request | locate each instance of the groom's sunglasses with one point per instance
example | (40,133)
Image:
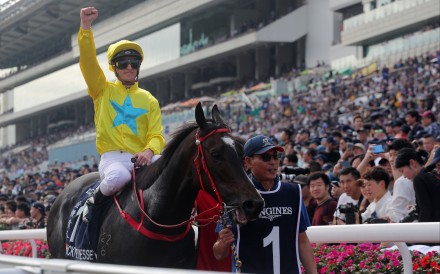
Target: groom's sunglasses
(266,157)
(123,64)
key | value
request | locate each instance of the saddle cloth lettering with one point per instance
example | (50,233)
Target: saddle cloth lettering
(81,237)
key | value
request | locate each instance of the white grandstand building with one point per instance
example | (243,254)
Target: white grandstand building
(192,48)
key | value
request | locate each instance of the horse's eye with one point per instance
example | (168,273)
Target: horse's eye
(215,154)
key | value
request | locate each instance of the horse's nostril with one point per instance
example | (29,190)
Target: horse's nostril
(253,207)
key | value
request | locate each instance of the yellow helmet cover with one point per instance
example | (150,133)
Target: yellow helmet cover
(123,45)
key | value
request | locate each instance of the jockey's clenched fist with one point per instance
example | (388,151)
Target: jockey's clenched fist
(88,15)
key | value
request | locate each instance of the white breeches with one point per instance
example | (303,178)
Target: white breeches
(115,170)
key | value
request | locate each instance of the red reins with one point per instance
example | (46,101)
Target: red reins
(205,168)
(198,218)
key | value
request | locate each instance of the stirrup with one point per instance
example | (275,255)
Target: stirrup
(87,214)
(92,202)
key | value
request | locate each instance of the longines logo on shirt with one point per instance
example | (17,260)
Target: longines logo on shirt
(274,212)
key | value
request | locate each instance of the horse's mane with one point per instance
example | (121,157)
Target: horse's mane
(154,171)
(176,140)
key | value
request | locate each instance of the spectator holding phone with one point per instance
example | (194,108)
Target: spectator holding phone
(374,151)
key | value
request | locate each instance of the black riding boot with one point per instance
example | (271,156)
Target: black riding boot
(92,202)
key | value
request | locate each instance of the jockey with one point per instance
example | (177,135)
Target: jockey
(127,118)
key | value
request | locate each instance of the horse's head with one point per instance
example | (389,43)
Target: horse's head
(221,167)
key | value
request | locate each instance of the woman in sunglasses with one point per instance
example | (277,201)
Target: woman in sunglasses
(127,118)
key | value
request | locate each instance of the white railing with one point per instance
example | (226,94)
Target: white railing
(399,234)
(24,265)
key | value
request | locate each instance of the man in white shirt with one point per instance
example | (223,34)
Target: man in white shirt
(404,196)
(377,184)
(351,197)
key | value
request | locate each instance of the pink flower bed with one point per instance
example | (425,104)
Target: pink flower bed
(24,248)
(368,258)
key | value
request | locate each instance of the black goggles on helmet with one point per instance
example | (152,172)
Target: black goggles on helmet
(123,64)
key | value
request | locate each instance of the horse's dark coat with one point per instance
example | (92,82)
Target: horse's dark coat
(170,187)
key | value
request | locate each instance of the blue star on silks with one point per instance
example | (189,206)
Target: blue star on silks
(126,114)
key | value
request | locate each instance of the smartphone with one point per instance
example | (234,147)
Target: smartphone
(378,149)
(350,146)
(345,164)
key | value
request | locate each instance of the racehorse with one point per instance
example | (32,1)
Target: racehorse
(202,156)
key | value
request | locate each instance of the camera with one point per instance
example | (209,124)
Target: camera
(295,170)
(375,221)
(25,225)
(413,216)
(287,177)
(349,209)
(289,173)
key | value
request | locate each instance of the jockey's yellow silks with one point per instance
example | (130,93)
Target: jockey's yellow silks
(119,111)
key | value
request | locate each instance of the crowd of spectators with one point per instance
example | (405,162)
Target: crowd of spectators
(26,200)
(331,128)
(352,144)
(31,156)
(30,185)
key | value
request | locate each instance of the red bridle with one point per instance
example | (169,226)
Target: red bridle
(205,168)
(198,218)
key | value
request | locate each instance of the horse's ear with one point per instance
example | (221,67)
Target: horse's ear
(200,116)
(216,115)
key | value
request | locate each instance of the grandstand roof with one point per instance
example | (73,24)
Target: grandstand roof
(33,30)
